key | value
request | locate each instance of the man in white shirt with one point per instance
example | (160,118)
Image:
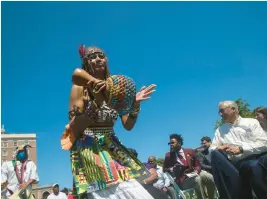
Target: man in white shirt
(237,145)
(19,174)
(56,193)
(163,182)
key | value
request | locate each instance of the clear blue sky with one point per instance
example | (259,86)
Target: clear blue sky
(198,53)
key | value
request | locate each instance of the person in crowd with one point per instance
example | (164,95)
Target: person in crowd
(70,196)
(153,177)
(65,190)
(18,175)
(261,116)
(45,195)
(236,148)
(163,183)
(183,165)
(204,157)
(56,194)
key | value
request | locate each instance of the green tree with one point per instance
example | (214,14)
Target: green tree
(244,111)
(160,161)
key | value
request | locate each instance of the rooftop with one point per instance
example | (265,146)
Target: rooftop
(18,135)
(43,187)
(5,135)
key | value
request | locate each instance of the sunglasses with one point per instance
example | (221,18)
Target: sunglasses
(171,143)
(95,55)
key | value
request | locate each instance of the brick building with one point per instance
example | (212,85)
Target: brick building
(11,140)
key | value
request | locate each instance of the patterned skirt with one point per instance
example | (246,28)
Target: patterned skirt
(99,160)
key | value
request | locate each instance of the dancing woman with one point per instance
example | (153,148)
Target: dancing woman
(102,167)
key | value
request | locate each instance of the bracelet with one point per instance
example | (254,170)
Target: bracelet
(74,112)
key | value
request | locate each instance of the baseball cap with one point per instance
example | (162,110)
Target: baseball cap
(54,185)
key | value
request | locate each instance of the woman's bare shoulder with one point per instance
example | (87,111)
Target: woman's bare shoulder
(77,90)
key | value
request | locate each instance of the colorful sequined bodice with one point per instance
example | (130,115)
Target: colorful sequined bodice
(104,113)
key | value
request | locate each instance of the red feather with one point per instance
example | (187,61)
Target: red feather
(82,50)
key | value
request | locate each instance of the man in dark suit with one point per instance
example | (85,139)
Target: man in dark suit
(183,165)
(203,154)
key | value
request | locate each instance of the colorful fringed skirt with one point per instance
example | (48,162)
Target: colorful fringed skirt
(99,161)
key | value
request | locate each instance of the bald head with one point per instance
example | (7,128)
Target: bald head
(152,161)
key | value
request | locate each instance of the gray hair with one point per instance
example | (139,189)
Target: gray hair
(230,104)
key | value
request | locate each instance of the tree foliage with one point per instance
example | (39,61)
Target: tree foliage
(244,111)
(160,161)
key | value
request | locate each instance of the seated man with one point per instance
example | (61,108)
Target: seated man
(205,165)
(148,182)
(239,143)
(183,165)
(163,183)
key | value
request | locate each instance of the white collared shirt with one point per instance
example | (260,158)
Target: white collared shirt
(163,180)
(60,195)
(245,132)
(181,152)
(8,174)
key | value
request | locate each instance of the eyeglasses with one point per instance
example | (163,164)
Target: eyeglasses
(95,55)
(223,109)
(171,143)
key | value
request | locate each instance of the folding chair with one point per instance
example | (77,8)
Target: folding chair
(216,194)
(183,194)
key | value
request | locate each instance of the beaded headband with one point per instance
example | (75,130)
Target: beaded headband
(85,52)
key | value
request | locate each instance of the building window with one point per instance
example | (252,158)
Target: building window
(4,153)
(15,143)
(4,144)
(26,142)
